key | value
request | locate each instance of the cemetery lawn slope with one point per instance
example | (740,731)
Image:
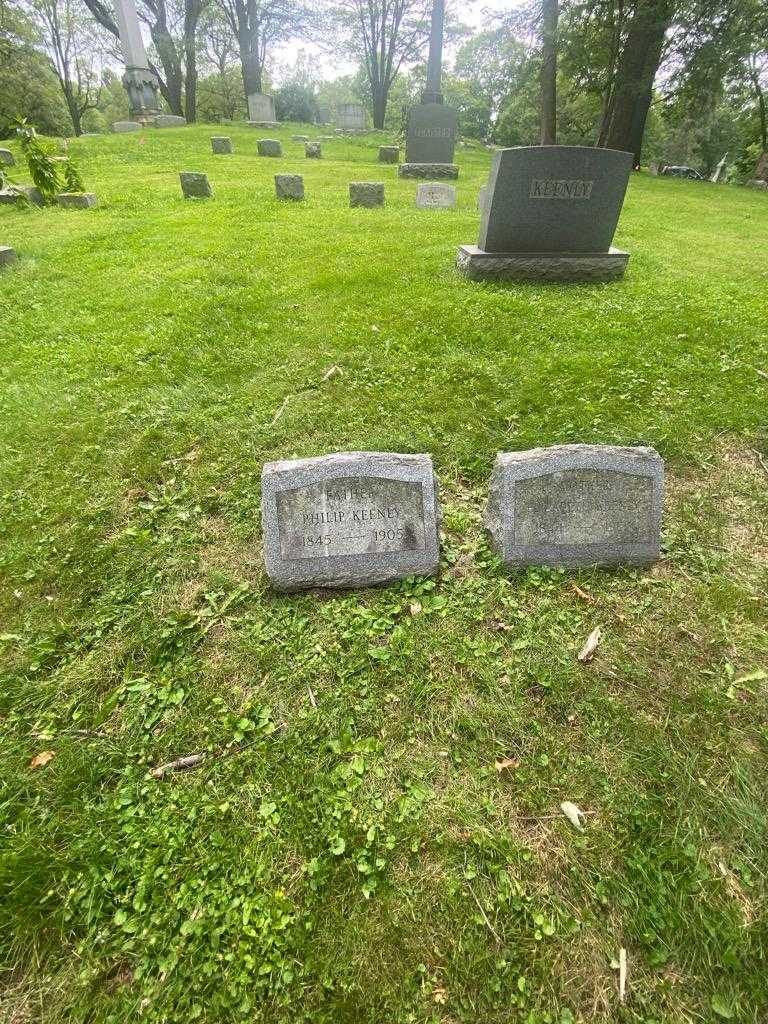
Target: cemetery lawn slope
(374,833)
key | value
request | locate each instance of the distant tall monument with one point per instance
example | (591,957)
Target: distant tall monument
(140,83)
(431,134)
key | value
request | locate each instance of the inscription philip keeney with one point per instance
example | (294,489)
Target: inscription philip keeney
(576,505)
(548,188)
(352,516)
(351,519)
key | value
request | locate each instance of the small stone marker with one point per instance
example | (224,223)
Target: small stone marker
(577,504)
(389,154)
(195,185)
(366,193)
(313,151)
(7,157)
(76,200)
(269,147)
(447,171)
(435,197)
(352,519)
(170,121)
(16,194)
(221,144)
(126,126)
(7,255)
(299,138)
(289,186)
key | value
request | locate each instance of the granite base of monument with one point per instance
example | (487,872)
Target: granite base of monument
(578,504)
(448,172)
(479,265)
(262,124)
(352,519)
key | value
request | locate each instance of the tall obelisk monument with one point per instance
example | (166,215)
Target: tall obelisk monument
(431,134)
(140,83)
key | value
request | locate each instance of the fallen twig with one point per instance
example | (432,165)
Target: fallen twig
(622,974)
(591,644)
(281,410)
(485,916)
(181,764)
(312,700)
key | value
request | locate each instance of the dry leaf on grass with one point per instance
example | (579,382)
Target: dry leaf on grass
(415,608)
(440,996)
(41,759)
(179,765)
(506,762)
(582,594)
(587,652)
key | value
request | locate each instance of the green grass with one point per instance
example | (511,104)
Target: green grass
(363,860)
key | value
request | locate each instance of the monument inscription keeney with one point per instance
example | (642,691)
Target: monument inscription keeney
(576,505)
(350,519)
(550,213)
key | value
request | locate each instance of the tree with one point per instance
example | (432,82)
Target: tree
(257,25)
(383,36)
(28,85)
(548,72)
(67,35)
(221,92)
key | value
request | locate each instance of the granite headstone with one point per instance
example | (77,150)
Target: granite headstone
(76,200)
(221,144)
(431,134)
(261,108)
(352,519)
(313,150)
(169,121)
(126,126)
(389,154)
(576,505)
(435,196)
(269,147)
(351,117)
(7,255)
(366,193)
(195,185)
(289,186)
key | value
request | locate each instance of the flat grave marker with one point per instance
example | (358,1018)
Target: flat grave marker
(435,196)
(578,504)
(351,519)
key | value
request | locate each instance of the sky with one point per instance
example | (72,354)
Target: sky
(469,12)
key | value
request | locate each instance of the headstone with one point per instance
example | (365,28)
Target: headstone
(7,255)
(351,117)
(169,121)
(195,185)
(761,170)
(653,169)
(221,144)
(389,154)
(289,186)
(269,147)
(550,215)
(7,157)
(261,108)
(324,115)
(16,194)
(431,134)
(352,519)
(366,193)
(435,196)
(577,504)
(76,200)
(126,126)
(299,138)
(448,171)
(761,186)
(313,150)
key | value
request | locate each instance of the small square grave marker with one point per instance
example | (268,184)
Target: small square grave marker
(313,150)
(289,186)
(221,144)
(195,185)
(366,193)
(77,200)
(269,147)
(389,154)
(352,519)
(435,196)
(576,504)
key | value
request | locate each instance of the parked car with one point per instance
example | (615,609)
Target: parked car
(683,172)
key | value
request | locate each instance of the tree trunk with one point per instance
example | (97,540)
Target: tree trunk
(548,76)
(172,73)
(380,100)
(72,107)
(637,69)
(249,58)
(760,97)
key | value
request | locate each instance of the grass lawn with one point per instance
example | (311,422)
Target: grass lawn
(375,835)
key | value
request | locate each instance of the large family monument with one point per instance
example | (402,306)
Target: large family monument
(549,214)
(431,133)
(261,110)
(139,82)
